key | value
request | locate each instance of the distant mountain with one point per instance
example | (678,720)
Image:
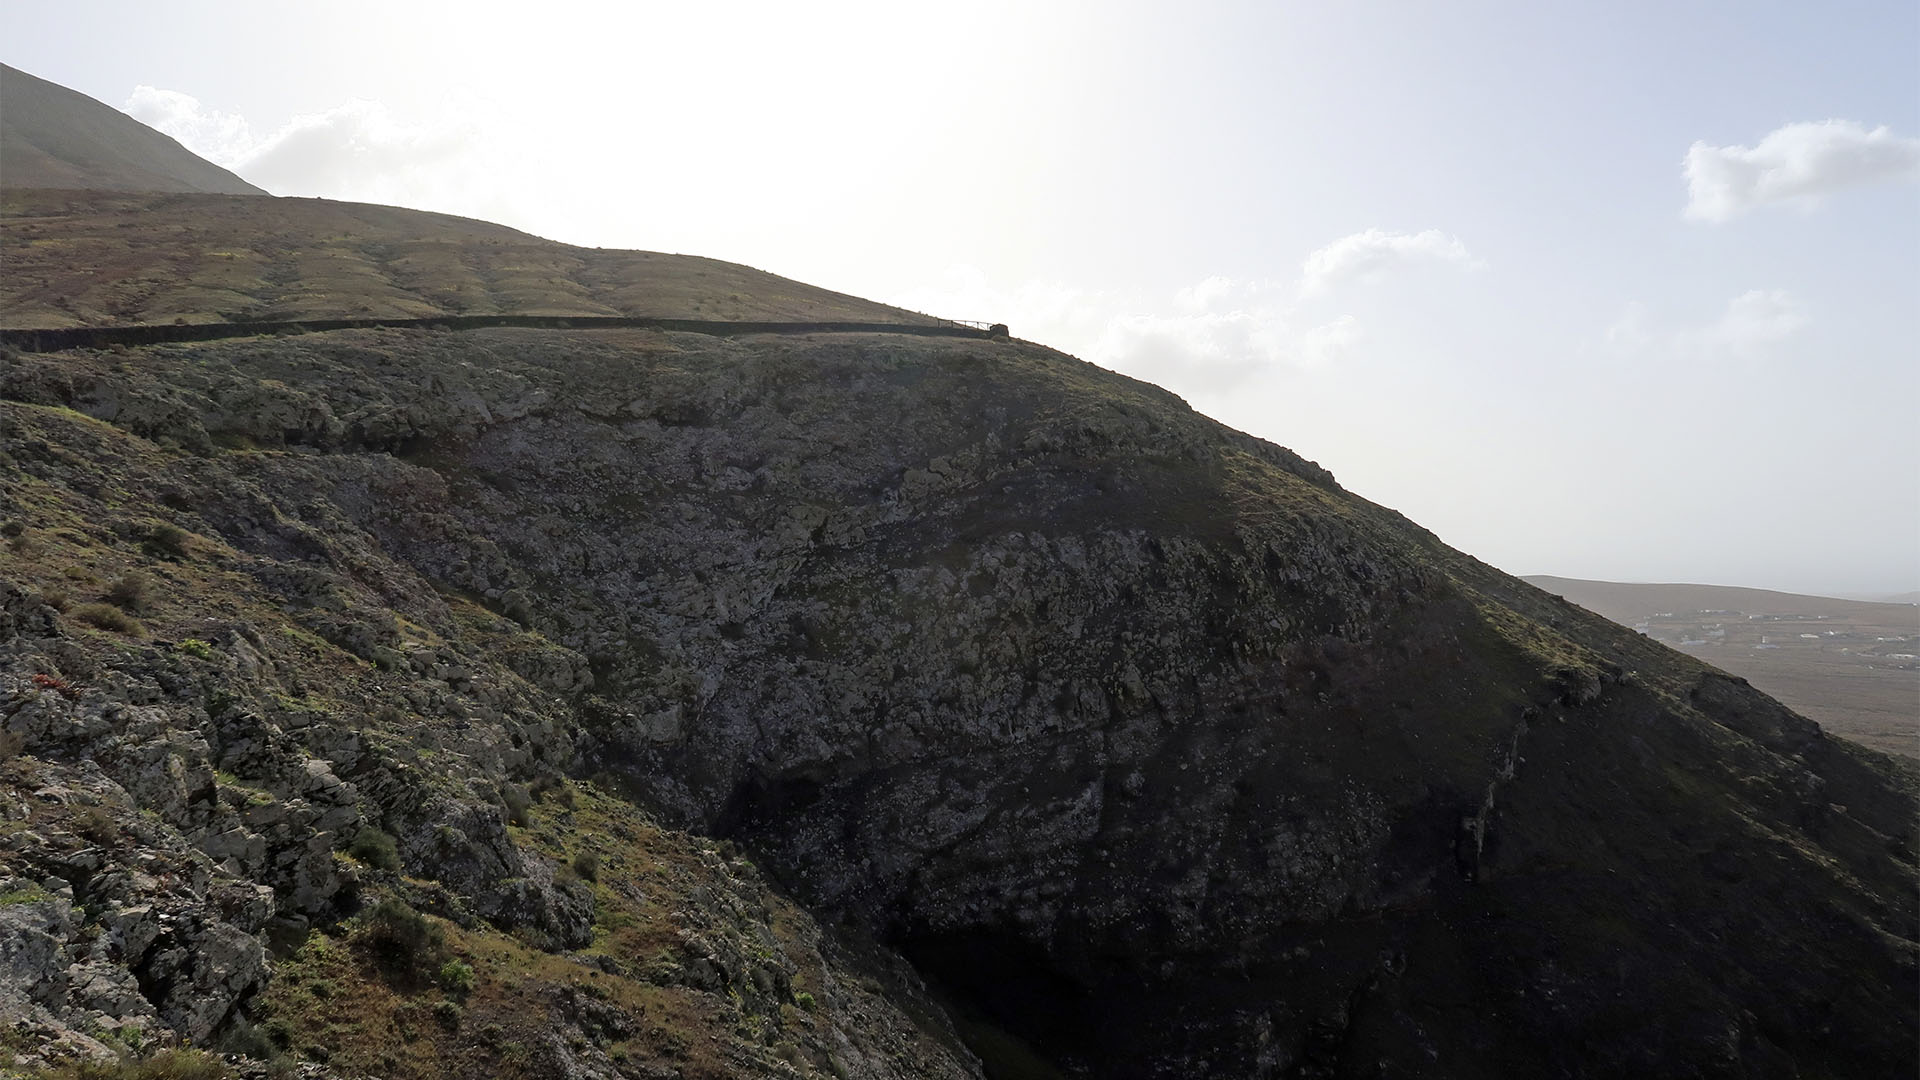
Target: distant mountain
(53,137)
(1630,601)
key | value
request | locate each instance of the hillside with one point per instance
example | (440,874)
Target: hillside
(623,703)
(91,258)
(1845,663)
(52,137)
(1070,694)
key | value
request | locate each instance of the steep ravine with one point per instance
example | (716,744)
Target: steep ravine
(1158,753)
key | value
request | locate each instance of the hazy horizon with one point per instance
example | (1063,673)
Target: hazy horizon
(1616,294)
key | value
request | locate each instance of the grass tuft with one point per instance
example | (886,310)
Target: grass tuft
(108,617)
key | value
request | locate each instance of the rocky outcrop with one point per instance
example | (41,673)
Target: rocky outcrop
(1155,751)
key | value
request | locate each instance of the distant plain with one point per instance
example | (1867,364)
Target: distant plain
(1850,665)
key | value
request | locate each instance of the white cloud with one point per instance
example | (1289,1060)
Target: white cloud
(1755,319)
(1206,338)
(219,137)
(1368,254)
(1797,163)
(1203,295)
(1749,327)
(358,150)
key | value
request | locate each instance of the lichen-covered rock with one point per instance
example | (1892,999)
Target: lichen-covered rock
(1156,751)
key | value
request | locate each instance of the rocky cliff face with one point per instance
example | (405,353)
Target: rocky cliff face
(1153,750)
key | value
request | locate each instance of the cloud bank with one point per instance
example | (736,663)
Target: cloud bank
(1369,254)
(1755,319)
(1798,163)
(357,150)
(1747,329)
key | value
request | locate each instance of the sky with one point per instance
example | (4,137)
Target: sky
(1624,290)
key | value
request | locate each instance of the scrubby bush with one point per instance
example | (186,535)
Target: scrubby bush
(108,617)
(375,848)
(196,648)
(96,824)
(587,865)
(402,940)
(166,541)
(455,978)
(132,591)
(250,1041)
(515,800)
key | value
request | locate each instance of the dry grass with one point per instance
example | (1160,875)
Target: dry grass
(165,1065)
(96,258)
(108,617)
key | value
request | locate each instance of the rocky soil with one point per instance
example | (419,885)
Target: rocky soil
(1064,732)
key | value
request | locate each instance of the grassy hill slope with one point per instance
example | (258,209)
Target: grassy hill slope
(53,137)
(88,259)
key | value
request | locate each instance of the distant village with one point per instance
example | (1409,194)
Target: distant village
(1702,630)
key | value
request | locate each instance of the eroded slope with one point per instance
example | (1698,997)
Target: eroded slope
(1163,755)
(237,735)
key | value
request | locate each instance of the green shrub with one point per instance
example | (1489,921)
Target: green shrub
(196,648)
(166,541)
(132,591)
(95,824)
(455,978)
(375,848)
(108,617)
(248,1040)
(401,939)
(587,865)
(516,800)
(804,1000)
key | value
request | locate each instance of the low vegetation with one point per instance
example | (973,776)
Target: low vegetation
(165,1065)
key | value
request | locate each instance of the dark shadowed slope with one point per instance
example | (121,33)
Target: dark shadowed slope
(53,137)
(1164,755)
